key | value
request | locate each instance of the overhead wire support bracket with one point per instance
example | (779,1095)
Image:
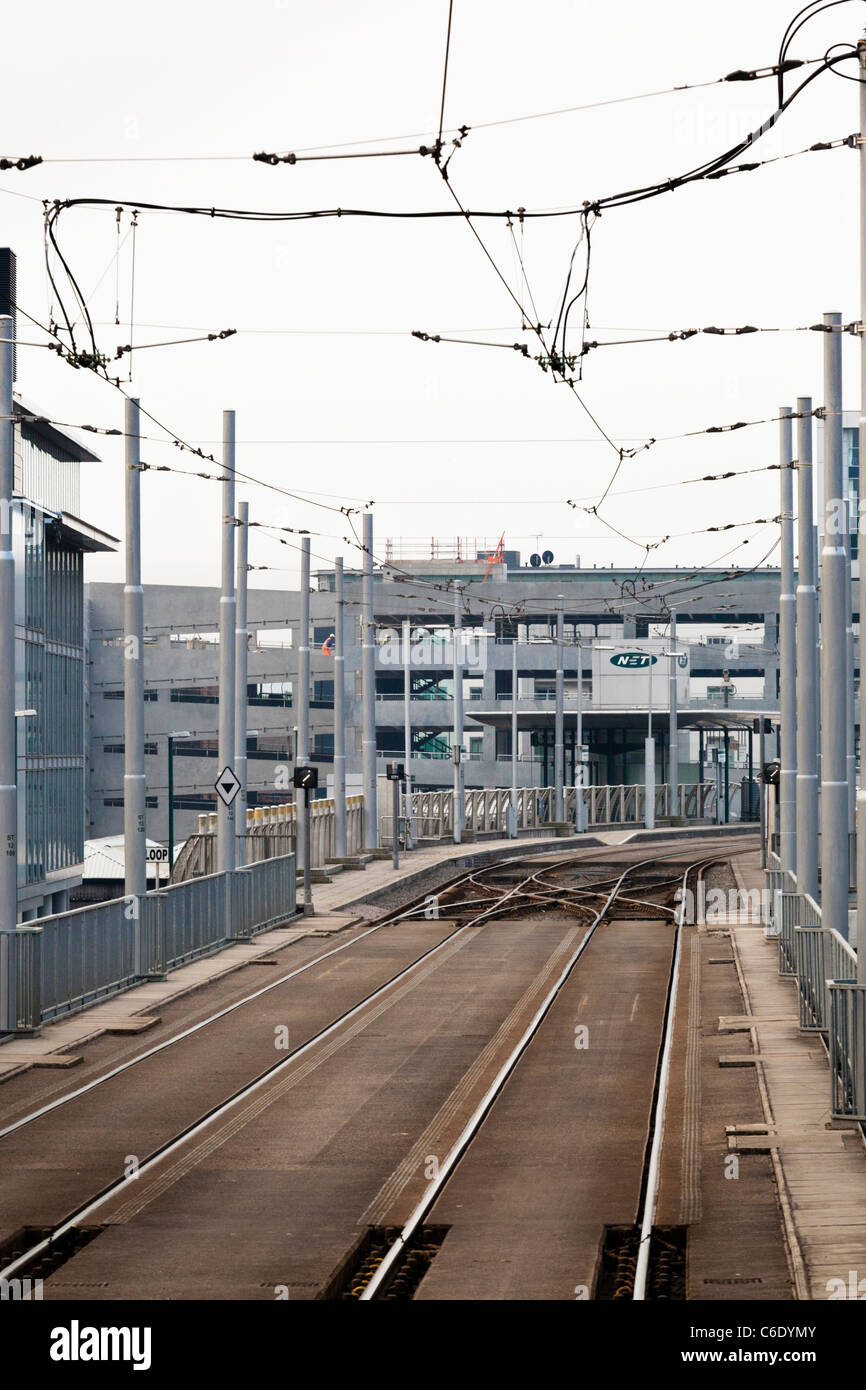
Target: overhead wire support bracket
(28,161)
(754,74)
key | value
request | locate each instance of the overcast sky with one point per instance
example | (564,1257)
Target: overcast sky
(333,396)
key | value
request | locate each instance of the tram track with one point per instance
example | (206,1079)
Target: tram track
(400,1259)
(533,890)
(25,1257)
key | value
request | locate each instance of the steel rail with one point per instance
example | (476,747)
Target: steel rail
(68,1096)
(660,1106)
(164,1150)
(379,1281)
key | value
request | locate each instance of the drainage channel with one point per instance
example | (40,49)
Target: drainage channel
(56,1253)
(353,1276)
(666,1279)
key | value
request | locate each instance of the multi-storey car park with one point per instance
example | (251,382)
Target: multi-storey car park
(727,625)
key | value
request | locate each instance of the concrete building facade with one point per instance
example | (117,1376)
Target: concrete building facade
(728,620)
(50,543)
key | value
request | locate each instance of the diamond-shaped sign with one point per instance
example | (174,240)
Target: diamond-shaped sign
(227,786)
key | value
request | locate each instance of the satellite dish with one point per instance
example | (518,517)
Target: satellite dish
(547,557)
(535,561)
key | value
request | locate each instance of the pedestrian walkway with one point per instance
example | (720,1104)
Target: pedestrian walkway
(134,1011)
(821,1164)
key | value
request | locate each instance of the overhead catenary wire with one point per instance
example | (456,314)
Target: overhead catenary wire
(21,163)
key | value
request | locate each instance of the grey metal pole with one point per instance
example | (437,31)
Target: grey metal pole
(302,750)
(514,737)
(579,767)
(228,608)
(834,656)
(787,653)
(8,740)
(134,801)
(368,691)
(807,663)
(650,756)
(762,793)
(861,790)
(339,714)
(407,723)
(395,823)
(559,719)
(673,726)
(849,690)
(308,849)
(457,811)
(241,669)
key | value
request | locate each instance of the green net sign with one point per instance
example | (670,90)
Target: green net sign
(633,661)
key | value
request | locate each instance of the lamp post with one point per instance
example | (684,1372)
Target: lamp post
(578,750)
(181,733)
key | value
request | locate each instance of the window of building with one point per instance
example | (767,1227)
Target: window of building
(323,748)
(270,693)
(151,802)
(149,695)
(195,695)
(195,801)
(151,749)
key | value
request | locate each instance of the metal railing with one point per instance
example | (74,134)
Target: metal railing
(830,1001)
(74,959)
(81,956)
(486,808)
(271,833)
(847,1031)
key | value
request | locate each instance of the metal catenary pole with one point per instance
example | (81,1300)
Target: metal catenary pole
(559,719)
(368,691)
(241,669)
(861,790)
(457,640)
(8,790)
(302,751)
(807,663)
(762,794)
(787,653)
(834,669)
(170,804)
(514,737)
(850,740)
(650,754)
(227,624)
(339,715)
(579,765)
(673,726)
(134,800)
(407,724)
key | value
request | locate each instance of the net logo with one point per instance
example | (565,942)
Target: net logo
(633,661)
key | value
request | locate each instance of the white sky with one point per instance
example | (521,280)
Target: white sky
(326,308)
